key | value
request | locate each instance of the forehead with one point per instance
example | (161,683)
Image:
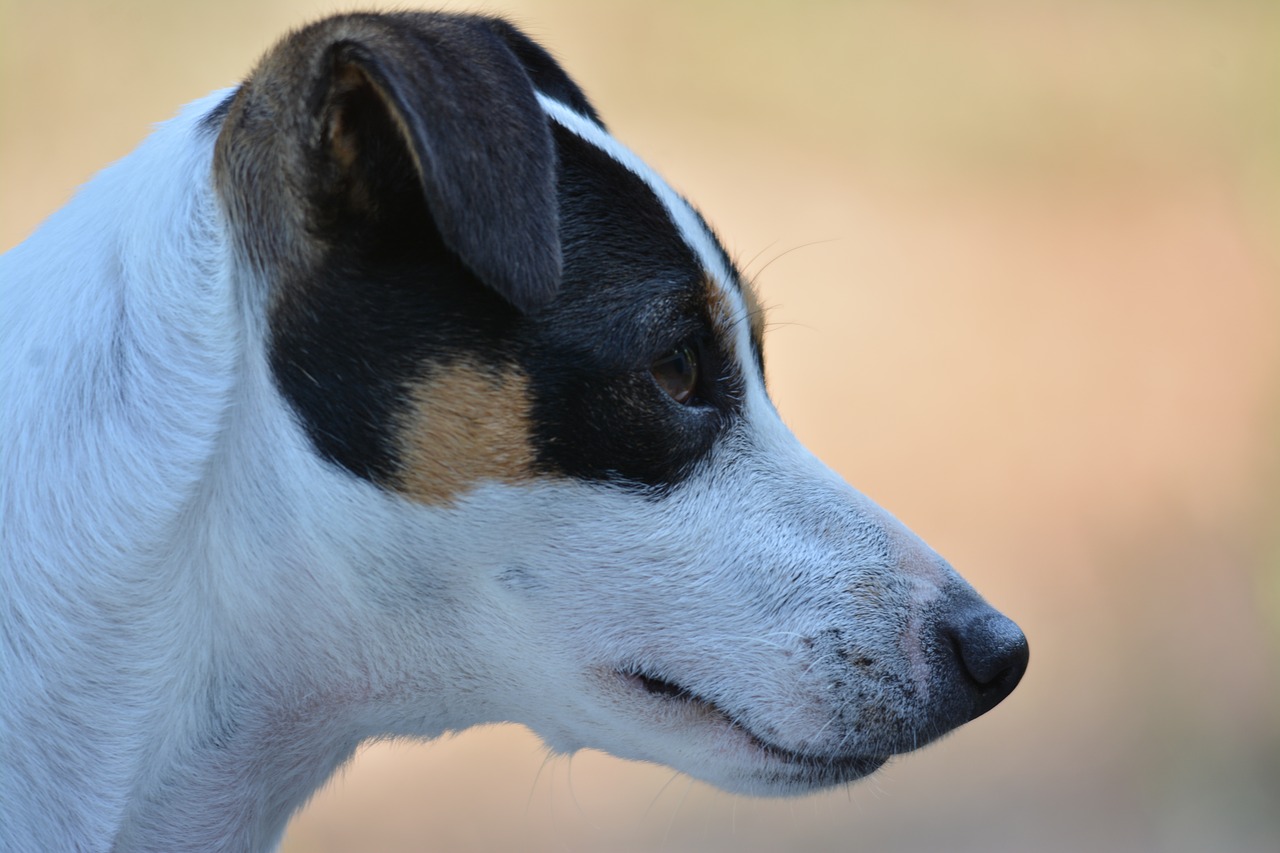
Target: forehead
(728,293)
(687,222)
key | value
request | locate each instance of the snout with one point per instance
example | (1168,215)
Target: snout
(984,654)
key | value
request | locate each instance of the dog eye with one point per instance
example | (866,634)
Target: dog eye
(677,373)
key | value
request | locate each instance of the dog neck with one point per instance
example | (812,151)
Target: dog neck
(210,518)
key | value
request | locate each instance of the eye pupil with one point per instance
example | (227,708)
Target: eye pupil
(677,373)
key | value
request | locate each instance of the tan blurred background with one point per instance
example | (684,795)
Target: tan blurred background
(1023,267)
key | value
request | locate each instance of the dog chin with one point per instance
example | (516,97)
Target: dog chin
(666,724)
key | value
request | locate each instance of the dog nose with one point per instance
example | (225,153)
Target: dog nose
(990,652)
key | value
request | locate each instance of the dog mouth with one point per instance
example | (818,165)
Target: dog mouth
(686,706)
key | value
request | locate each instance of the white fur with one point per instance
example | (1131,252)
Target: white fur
(201,619)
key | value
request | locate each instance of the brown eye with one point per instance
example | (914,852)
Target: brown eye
(677,373)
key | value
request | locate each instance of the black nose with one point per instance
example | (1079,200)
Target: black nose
(990,652)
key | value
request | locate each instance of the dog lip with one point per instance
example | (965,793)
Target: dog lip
(662,687)
(845,766)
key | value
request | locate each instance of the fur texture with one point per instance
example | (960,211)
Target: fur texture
(331,414)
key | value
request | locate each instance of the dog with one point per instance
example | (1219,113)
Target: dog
(387,394)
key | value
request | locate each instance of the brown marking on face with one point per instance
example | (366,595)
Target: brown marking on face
(720,310)
(755,311)
(725,317)
(466,424)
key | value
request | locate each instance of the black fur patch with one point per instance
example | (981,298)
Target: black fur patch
(544,72)
(633,291)
(389,299)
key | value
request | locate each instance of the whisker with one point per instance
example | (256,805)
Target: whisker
(757,255)
(573,797)
(674,812)
(547,757)
(675,774)
(753,276)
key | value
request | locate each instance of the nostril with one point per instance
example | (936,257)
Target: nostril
(992,653)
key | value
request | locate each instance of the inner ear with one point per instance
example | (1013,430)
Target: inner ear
(433,112)
(372,176)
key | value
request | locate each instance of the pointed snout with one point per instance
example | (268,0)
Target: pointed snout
(988,653)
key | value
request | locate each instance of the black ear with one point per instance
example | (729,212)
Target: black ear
(547,75)
(448,97)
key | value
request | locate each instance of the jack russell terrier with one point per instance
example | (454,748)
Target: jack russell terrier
(387,394)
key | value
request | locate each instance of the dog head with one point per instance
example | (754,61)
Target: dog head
(484,312)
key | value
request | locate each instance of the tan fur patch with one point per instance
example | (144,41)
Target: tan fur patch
(466,424)
(725,316)
(755,310)
(719,309)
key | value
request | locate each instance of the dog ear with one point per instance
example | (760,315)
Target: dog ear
(450,107)
(547,75)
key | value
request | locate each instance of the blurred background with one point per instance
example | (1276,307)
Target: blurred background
(1023,271)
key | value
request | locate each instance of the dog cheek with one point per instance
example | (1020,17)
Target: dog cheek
(465,424)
